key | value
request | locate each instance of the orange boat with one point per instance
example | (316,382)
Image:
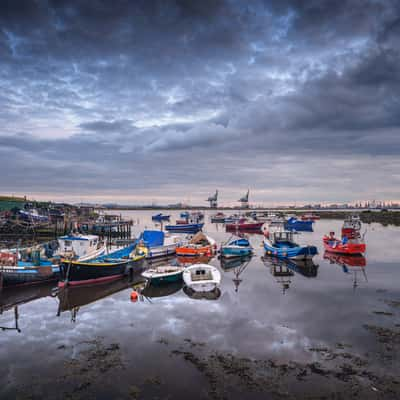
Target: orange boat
(199,245)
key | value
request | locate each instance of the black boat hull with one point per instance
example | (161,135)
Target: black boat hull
(76,273)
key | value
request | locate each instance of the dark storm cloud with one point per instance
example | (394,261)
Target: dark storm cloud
(180,96)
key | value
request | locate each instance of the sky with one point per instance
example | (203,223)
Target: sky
(166,101)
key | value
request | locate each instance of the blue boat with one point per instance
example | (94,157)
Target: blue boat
(156,244)
(294,224)
(31,269)
(281,244)
(160,217)
(237,248)
(185,228)
(32,215)
(232,219)
(184,214)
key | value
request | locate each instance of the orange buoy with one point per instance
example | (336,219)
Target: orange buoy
(134,296)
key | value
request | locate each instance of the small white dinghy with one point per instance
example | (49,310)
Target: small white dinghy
(202,277)
(164,274)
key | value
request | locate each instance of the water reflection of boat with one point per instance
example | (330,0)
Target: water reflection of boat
(280,270)
(74,297)
(231,263)
(356,260)
(154,291)
(210,295)
(157,262)
(20,295)
(185,261)
(237,265)
(15,297)
(306,268)
(351,264)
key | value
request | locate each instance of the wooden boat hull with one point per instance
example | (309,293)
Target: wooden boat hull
(82,273)
(194,252)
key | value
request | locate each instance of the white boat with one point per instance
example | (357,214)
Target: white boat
(164,274)
(159,244)
(202,277)
(80,247)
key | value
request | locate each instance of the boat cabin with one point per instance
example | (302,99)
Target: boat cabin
(201,274)
(77,246)
(283,238)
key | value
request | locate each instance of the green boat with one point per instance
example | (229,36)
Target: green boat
(164,274)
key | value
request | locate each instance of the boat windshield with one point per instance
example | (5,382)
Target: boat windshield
(283,236)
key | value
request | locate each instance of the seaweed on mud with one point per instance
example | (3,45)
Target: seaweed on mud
(83,372)
(384,335)
(392,303)
(386,313)
(226,372)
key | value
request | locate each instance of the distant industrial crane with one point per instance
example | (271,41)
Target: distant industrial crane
(213,200)
(245,200)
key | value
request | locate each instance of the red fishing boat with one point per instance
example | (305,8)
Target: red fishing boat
(351,242)
(243,225)
(310,217)
(344,246)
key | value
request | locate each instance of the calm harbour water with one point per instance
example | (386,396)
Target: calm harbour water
(96,343)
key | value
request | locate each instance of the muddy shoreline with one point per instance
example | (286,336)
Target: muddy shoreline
(334,373)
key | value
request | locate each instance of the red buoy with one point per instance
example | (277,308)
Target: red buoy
(134,296)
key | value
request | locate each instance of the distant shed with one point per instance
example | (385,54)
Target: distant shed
(7,205)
